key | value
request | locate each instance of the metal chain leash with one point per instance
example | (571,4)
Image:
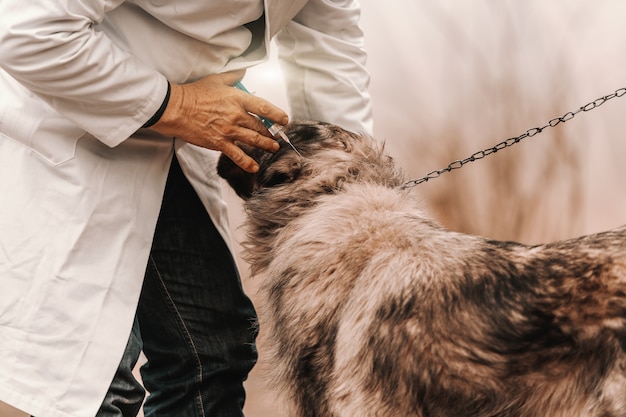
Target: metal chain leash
(512,141)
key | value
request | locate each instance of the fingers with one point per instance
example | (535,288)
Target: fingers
(249,102)
(251,137)
(253,104)
(250,131)
(264,108)
(227,136)
(240,158)
(252,122)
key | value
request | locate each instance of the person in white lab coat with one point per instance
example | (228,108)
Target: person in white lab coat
(110,115)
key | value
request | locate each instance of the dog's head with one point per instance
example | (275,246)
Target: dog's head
(331,157)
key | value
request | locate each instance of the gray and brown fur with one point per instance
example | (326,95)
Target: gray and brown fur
(372,309)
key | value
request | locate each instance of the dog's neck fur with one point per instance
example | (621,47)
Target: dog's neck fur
(336,166)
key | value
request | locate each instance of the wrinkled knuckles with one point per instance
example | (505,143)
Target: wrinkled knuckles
(238,158)
(264,108)
(256,140)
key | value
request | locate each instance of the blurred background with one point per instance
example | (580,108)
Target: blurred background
(452,77)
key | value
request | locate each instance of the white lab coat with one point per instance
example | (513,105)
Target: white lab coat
(81,184)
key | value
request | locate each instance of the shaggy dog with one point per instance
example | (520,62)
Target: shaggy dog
(373,309)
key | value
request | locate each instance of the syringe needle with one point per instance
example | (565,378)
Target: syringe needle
(286,139)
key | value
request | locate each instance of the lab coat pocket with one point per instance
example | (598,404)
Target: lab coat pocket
(52,139)
(28,120)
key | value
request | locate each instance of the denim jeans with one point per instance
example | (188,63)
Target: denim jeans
(196,326)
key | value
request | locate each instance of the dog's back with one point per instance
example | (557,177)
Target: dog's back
(381,312)
(375,310)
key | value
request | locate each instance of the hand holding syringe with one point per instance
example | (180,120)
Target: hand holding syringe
(274,128)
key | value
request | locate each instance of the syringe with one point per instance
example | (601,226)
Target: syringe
(274,128)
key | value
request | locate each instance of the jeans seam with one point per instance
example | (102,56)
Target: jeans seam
(185,331)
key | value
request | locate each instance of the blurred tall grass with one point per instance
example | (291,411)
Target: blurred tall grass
(531,191)
(496,79)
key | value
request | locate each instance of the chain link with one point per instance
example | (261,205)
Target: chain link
(512,141)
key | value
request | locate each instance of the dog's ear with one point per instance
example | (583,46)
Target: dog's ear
(241,181)
(282,167)
(285,167)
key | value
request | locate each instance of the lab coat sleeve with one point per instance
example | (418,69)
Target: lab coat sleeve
(323,58)
(53,48)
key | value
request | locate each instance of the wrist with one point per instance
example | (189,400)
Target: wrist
(159,113)
(167,123)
